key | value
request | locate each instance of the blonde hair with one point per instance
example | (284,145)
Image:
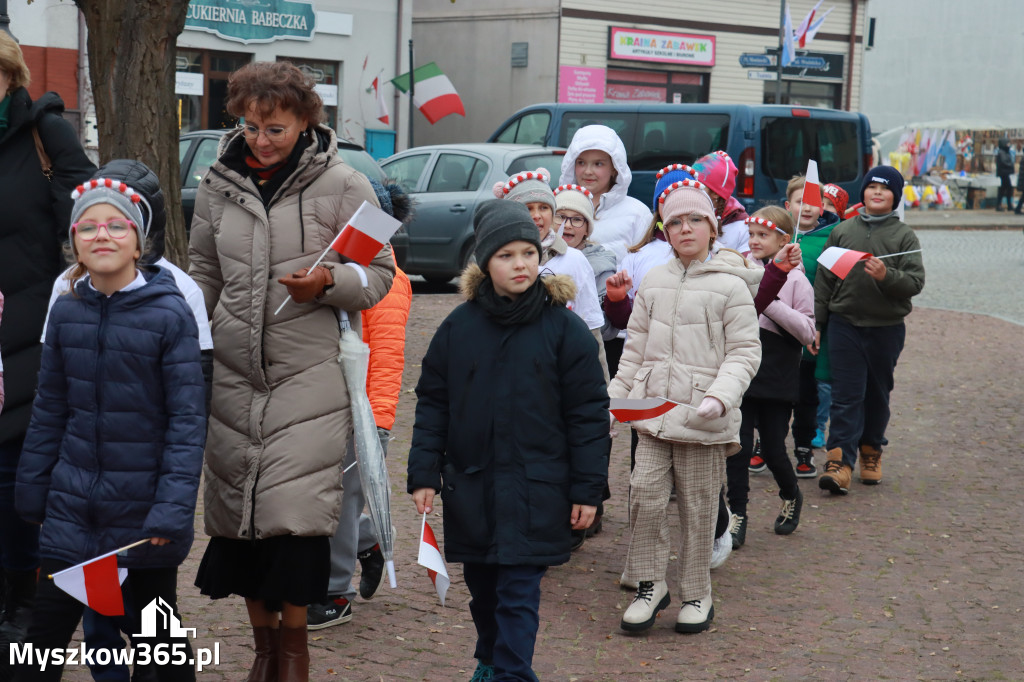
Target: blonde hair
(777,215)
(649,234)
(12,61)
(795,183)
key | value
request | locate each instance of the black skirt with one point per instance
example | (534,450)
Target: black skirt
(285,568)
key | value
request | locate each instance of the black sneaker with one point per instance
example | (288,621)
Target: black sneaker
(757,463)
(738,530)
(334,612)
(372,563)
(789,515)
(805,463)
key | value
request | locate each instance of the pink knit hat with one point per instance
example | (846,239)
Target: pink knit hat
(686,197)
(718,172)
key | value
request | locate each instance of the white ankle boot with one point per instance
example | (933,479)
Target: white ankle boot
(695,615)
(650,598)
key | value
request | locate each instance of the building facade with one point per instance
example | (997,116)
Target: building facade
(342,44)
(502,59)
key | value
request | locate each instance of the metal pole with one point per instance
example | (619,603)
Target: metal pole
(778,63)
(5,21)
(412,91)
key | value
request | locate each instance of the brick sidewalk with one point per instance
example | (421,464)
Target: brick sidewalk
(915,579)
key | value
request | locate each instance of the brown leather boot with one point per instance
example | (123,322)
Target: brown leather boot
(836,478)
(267,644)
(870,465)
(293,662)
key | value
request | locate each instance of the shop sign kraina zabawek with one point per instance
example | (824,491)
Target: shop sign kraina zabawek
(658,46)
(253,21)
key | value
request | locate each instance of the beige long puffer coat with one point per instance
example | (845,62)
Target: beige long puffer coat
(693,333)
(280,417)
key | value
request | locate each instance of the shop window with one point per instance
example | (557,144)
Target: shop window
(457,173)
(207,110)
(325,75)
(787,143)
(635,85)
(806,94)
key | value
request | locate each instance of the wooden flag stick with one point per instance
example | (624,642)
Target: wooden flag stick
(116,551)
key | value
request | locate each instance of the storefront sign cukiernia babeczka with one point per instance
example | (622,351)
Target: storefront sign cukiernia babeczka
(253,21)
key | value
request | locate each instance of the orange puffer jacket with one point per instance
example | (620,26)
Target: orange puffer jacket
(384,332)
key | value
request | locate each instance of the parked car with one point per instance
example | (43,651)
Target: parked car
(197,150)
(446,182)
(769,143)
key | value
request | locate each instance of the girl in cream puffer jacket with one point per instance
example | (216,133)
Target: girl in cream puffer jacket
(693,339)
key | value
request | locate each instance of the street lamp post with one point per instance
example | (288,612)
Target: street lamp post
(5,21)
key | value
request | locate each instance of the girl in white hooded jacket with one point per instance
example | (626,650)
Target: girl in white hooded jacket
(693,339)
(596,159)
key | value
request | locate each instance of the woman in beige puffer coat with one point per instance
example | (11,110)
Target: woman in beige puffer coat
(280,419)
(693,339)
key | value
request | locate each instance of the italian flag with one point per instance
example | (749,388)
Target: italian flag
(435,95)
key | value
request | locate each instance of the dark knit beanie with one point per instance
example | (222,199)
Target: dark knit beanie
(888,176)
(498,222)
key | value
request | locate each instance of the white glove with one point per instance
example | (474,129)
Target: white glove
(710,408)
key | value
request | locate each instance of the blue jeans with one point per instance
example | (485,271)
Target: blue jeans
(824,404)
(863,363)
(19,541)
(505,609)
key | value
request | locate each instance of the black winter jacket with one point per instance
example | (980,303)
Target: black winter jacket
(33,228)
(512,428)
(115,447)
(1004,161)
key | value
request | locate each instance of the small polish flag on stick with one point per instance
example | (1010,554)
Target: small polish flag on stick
(431,559)
(382,106)
(812,188)
(366,233)
(635,409)
(840,261)
(97,582)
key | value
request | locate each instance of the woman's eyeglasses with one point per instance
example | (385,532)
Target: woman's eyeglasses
(88,230)
(272,133)
(576,221)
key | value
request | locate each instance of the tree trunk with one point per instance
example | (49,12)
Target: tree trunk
(131,63)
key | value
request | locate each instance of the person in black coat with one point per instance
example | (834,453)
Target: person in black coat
(512,428)
(1020,184)
(1004,169)
(32,231)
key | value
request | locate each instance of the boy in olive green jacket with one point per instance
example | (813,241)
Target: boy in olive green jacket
(863,317)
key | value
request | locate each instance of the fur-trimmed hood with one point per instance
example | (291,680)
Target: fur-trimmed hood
(561,288)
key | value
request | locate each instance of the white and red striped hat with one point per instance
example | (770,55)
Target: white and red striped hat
(116,193)
(527,187)
(576,198)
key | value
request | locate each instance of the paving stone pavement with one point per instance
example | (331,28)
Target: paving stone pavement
(915,579)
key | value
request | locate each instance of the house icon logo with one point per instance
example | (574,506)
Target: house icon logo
(159,615)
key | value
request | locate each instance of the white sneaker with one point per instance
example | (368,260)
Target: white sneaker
(650,598)
(722,548)
(625,584)
(695,616)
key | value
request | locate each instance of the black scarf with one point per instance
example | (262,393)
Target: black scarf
(503,310)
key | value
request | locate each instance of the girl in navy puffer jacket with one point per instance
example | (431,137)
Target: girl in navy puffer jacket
(115,446)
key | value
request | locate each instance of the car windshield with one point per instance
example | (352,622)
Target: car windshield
(552,161)
(362,162)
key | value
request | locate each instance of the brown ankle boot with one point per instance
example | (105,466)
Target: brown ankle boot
(870,465)
(836,478)
(264,668)
(294,658)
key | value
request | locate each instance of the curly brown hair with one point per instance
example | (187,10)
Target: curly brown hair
(272,85)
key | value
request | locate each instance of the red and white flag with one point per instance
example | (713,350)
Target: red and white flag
(635,409)
(840,261)
(365,234)
(431,559)
(812,187)
(96,583)
(382,106)
(801,32)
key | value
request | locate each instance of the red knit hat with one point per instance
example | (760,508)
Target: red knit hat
(718,172)
(838,196)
